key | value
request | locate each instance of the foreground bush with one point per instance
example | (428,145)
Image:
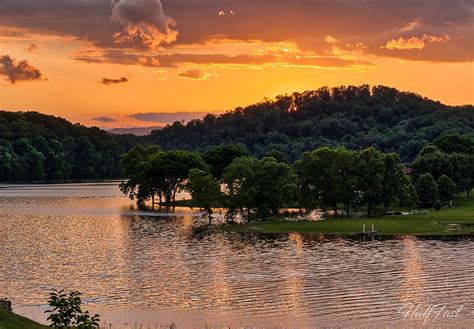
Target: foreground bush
(67,312)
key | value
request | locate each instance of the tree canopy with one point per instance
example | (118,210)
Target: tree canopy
(323,178)
(355,117)
(451,156)
(259,186)
(204,189)
(218,158)
(426,189)
(37,147)
(332,176)
(327,177)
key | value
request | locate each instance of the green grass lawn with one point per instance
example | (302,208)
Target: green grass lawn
(9,320)
(458,220)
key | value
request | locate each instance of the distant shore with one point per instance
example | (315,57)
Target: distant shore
(450,222)
(63,181)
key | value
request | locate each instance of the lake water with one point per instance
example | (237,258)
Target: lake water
(152,269)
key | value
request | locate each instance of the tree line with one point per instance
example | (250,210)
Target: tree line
(354,117)
(444,168)
(38,147)
(328,178)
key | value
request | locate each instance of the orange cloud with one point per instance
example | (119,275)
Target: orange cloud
(415,42)
(263,56)
(223,13)
(145,25)
(330,39)
(410,26)
(193,74)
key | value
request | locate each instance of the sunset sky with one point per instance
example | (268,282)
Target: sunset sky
(125,63)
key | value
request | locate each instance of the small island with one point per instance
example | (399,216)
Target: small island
(350,189)
(457,221)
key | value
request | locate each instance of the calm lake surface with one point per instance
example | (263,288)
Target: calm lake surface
(144,268)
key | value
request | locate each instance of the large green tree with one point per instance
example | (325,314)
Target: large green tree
(259,186)
(370,176)
(457,166)
(394,182)
(218,158)
(446,188)
(455,143)
(461,149)
(240,190)
(426,189)
(468,171)
(276,184)
(169,170)
(327,178)
(204,189)
(138,185)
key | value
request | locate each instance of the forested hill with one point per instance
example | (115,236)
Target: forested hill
(354,117)
(36,147)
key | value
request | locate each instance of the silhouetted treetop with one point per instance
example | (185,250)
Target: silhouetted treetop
(354,117)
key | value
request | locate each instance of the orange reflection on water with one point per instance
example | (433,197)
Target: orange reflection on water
(412,287)
(293,286)
(297,239)
(220,287)
(185,224)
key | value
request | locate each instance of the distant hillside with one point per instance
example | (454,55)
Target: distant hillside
(36,147)
(354,117)
(137,131)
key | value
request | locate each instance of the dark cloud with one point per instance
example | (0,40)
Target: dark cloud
(83,20)
(147,23)
(175,60)
(104,119)
(193,74)
(21,71)
(107,81)
(167,117)
(32,47)
(351,22)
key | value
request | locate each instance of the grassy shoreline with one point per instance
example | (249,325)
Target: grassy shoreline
(10,320)
(449,222)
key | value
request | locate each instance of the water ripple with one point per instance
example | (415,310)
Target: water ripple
(121,258)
